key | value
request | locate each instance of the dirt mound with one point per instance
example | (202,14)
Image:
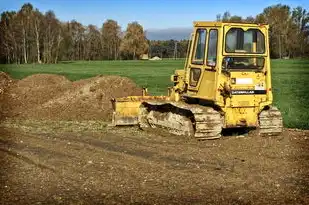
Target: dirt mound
(53,97)
(5,81)
(88,99)
(27,94)
(38,80)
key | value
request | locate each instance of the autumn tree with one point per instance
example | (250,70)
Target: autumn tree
(183,48)
(77,34)
(279,19)
(92,43)
(134,42)
(111,39)
(288,29)
(9,44)
(300,18)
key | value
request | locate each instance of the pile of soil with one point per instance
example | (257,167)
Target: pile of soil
(54,97)
(5,81)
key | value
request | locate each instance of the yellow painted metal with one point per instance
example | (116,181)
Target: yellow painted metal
(238,110)
(241,117)
(126,109)
(212,79)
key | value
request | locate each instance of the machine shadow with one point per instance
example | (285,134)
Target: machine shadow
(227,132)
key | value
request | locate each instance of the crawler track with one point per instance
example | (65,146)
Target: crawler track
(182,119)
(270,122)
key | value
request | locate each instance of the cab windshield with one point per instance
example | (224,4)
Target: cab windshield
(243,63)
(239,41)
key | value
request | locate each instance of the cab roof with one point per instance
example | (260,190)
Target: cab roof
(221,24)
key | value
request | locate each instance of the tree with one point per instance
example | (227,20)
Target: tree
(111,38)
(250,19)
(300,18)
(134,42)
(93,43)
(59,39)
(77,35)
(38,20)
(236,19)
(25,15)
(226,16)
(51,38)
(279,19)
(183,48)
(9,46)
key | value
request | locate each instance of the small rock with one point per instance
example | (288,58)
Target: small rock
(90,162)
(240,136)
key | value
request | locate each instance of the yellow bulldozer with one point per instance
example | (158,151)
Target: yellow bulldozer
(225,83)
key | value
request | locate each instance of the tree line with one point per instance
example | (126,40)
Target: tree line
(30,36)
(168,48)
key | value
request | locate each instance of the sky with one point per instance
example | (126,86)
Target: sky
(151,14)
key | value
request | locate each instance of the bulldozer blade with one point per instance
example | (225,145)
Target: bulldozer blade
(126,110)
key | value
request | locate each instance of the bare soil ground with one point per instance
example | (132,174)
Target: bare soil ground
(56,148)
(90,163)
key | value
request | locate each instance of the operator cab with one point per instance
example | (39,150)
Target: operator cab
(218,47)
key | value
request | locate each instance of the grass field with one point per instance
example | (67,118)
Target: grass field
(290,80)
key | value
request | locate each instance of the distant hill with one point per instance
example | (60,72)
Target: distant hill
(169,33)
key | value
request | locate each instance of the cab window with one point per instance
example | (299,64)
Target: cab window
(199,47)
(212,48)
(239,41)
(195,74)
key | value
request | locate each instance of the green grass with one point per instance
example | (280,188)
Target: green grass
(154,75)
(290,80)
(291,91)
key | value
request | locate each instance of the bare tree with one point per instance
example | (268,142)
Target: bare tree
(25,15)
(38,19)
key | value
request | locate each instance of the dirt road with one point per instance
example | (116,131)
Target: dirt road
(90,163)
